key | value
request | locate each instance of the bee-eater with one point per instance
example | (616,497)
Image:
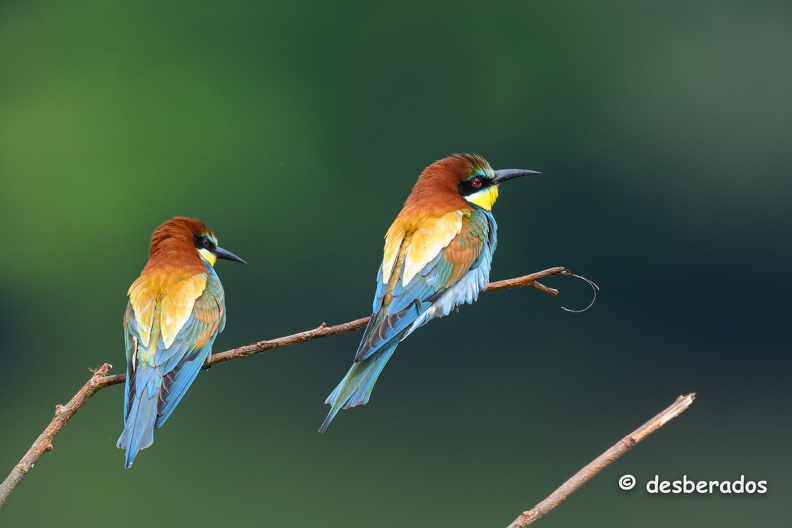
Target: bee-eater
(176,309)
(438,253)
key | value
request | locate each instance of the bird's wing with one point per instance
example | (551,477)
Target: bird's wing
(184,322)
(140,310)
(132,341)
(428,261)
(180,363)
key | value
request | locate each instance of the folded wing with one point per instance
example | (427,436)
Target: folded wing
(185,321)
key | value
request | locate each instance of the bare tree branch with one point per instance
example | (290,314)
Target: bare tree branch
(100,379)
(605,459)
(63,413)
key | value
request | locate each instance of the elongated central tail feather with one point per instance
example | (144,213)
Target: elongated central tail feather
(139,425)
(355,389)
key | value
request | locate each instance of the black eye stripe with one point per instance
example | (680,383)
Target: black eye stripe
(466,188)
(204,242)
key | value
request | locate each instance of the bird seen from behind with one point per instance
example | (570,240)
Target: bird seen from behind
(437,256)
(176,309)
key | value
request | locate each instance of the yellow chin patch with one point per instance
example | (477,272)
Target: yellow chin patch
(208,256)
(485,198)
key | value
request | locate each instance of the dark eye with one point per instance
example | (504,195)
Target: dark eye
(206,243)
(476,182)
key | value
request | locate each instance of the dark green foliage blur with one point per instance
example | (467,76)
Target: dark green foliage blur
(295,130)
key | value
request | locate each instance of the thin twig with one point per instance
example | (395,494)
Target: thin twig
(326,331)
(100,379)
(63,413)
(605,459)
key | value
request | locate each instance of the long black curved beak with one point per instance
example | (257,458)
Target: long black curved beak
(508,174)
(227,255)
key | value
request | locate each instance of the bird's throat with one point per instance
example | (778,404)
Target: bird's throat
(485,198)
(207,256)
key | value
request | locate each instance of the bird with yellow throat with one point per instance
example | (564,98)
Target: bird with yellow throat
(438,254)
(176,309)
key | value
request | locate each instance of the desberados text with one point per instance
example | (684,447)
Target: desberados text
(706,486)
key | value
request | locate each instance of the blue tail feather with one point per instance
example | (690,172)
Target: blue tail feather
(139,424)
(355,389)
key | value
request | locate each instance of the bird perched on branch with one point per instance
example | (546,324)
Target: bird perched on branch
(437,256)
(176,309)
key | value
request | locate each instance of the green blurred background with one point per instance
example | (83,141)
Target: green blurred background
(296,130)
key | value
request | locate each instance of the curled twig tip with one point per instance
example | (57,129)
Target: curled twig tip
(594,288)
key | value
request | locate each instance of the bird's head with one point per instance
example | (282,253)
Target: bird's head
(477,182)
(468,176)
(181,234)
